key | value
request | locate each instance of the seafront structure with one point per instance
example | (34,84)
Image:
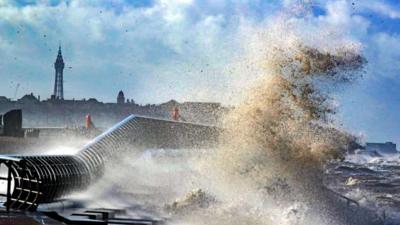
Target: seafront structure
(59,77)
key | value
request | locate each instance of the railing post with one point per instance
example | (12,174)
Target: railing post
(8,203)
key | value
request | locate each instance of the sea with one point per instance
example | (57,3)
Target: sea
(371,179)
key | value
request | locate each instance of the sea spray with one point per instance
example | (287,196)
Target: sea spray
(283,125)
(269,165)
(276,143)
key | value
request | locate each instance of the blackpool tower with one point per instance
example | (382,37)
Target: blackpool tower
(59,80)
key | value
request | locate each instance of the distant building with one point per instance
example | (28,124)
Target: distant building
(4,99)
(59,112)
(92,100)
(170,104)
(28,99)
(385,148)
(71,112)
(120,97)
(59,79)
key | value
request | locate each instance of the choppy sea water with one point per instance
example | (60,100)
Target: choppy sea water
(151,181)
(373,180)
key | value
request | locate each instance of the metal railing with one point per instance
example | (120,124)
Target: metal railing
(33,180)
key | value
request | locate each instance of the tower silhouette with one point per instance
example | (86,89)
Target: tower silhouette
(59,80)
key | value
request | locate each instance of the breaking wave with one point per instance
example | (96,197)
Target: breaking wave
(269,166)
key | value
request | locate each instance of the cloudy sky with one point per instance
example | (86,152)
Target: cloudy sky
(156,50)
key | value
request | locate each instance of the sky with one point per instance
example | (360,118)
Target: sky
(157,50)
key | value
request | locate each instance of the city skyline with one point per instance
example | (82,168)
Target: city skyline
(58,90)
(192,51)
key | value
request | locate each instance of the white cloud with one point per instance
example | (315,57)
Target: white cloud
(341,19)
(3,2)
(134,49)
(173,10)
(383,9)
(384,55)
(179,49)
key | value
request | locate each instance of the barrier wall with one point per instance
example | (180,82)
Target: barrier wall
(31,180)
